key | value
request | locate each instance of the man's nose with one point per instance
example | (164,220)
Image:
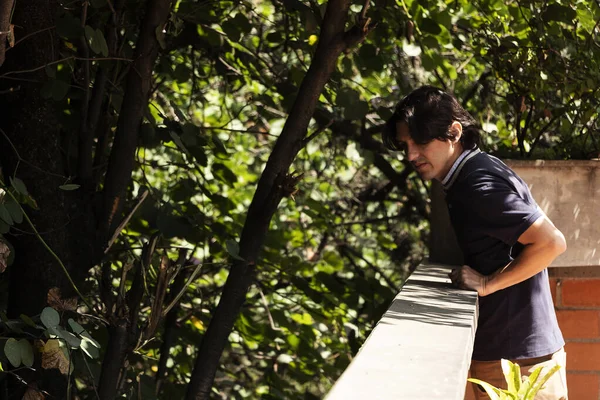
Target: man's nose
(412,153)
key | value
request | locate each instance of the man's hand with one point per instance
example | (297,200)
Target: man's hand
(466,277)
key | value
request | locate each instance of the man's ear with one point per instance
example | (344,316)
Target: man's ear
(456,130)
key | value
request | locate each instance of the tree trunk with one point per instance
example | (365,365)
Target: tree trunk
(135,101)
(274,184)
(31,150)
(30,124)
(5,32)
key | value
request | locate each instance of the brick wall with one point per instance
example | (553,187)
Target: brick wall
(577,302)
(576,295)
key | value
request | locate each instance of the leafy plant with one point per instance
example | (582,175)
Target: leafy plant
(519,387)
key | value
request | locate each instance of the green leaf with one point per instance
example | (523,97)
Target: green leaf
(92,39)
(4,227)
(242,23)
(172,225)
(178,142)
(557,12)
(19,186)
(5,214)
(55,89)
(346,97)
(512,374)
(89,349)
(284,359)
(28,321)
(304,318)
(231,30)
(491,391)
(99,36)
(430,26)
(85,336)
(219,146)
(89,34)
(540,383)
(26,352)
(233,248)
(50,317)
(19,352)
(293,341)
(15,211)
(224,173)
(67,336)
(12,351)
(69,186)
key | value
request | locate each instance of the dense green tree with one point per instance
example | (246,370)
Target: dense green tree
(207,180)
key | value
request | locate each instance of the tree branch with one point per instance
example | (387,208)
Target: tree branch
(84,160)
(95,103)
(135,100)
(273,185)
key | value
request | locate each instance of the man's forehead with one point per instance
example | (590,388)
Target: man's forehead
(402,132)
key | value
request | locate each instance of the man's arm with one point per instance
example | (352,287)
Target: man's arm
(543,243)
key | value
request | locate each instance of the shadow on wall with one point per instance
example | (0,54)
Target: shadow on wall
(442,306)
(569,193)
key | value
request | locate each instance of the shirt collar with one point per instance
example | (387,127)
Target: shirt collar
(457,166)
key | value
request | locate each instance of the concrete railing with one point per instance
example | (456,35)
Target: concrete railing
(421,348)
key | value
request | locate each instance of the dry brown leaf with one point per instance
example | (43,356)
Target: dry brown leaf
(4,253)
(54,297)
(53,356)
(33,394)
(58,303)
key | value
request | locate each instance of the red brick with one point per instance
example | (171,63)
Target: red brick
(583,386)
(579,324)
(553,282)
(583,356)
(581,292)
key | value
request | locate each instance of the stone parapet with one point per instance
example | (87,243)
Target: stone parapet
(421,348)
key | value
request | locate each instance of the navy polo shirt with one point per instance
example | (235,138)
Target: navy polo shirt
(490,207)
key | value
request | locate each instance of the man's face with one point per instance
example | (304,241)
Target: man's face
(432,160)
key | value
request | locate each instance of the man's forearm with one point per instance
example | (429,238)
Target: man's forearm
(533,258)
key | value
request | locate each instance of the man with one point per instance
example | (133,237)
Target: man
(506,239)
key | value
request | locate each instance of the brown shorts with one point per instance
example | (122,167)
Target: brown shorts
(554,389)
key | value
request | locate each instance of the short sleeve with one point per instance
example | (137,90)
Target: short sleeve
(504,210)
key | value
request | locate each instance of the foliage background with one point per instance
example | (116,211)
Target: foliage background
(223,83)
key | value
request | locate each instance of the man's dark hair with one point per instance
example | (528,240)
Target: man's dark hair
(429,112)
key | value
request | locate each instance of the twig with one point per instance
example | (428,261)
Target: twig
(66,59)
(31,34)
(187,283)
(316,133)
(363,13)
(264,300)
(125,221)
